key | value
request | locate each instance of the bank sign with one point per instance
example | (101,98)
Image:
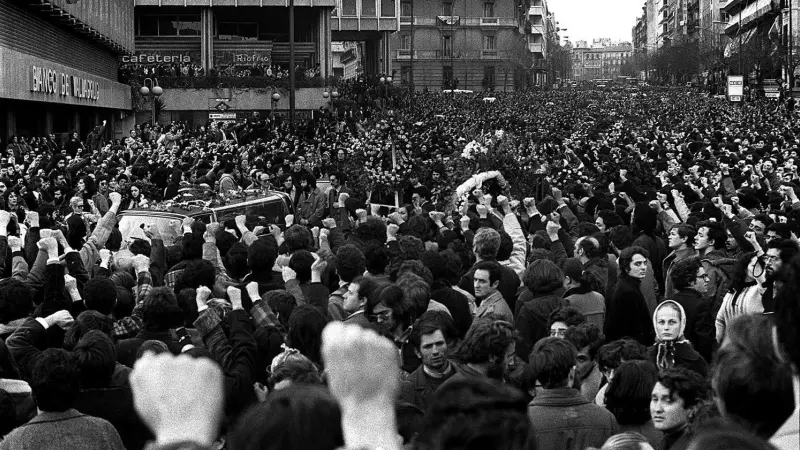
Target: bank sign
(735,88)
(47,81)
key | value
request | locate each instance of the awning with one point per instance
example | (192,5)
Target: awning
(733,46)
(750,13)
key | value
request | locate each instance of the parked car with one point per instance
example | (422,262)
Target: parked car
(261,208)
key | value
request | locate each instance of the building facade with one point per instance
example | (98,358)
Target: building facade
(596,62)
(58,66)
(544,36)
(466,44)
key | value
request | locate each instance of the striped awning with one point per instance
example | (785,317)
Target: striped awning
(748,15)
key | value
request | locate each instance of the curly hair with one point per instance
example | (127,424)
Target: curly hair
(415,289)
(350,262)
(160,310)
(567,314)
(684,274)
(196,273)
(452,267)
(301,262)
(684,383)
(621,236)
(542,276)
(297,237)
(374,229)
(486,243)
(486,338)
(611,355)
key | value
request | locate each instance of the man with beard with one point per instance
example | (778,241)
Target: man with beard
(563,418)
(778,252)
(312,203)
(486,351)
(430,338)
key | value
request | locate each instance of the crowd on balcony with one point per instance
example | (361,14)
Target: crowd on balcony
(130,72)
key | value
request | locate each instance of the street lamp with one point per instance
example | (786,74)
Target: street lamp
(386,81)
(154,91)
(275,98)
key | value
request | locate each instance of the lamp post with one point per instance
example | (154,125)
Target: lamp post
(386,81)
(154,91)
(275,98)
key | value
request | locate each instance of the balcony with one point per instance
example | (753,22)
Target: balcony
(433,55)
(490,21)
(418,21)
(490,54)
(537,29)
(536,48)
(536,11)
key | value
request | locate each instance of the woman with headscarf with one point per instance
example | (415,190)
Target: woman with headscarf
(672,349)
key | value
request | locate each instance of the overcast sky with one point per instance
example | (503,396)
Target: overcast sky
(589,19)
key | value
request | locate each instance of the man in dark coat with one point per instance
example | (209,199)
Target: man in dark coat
(627,314)
(430,345)
(689,279)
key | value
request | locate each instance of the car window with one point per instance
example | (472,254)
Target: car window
(131,228)
(260,213)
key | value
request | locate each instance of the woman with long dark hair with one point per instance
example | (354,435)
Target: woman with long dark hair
(744,296)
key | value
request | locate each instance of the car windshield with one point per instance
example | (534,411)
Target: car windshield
(131,228)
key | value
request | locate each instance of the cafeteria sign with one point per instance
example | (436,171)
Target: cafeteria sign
(735,88)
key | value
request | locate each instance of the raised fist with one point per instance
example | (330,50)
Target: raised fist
(116,198)
(329,222)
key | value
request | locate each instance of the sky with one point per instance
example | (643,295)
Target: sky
(590,19)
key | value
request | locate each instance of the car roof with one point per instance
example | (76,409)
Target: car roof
(186,209)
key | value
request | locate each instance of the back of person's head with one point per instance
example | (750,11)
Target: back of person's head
(787,313)
(477,413)
(727,437)
(192,246)
(350,262)
(123,261)
(552,362)
(590,247)
(486,243)
(452,267)
(486,339)
(262,253)
(305,331)
(196,273)
(683,383)
(417,290)
(684,273)
(187,302)
(100,294)
(283,303)
(543,276)
(85,322)
(586,335)
(376,258)
(140,247)
(55,380)
(416,268)
(301,262)
(160,310)
(621,236)
(506,246)
(297,237)
(16,300)
(628,394)
(566,314)
(97,358)
(303,417)
(374,229)
(753,390)
(291,370)
(611,355)
(152,346)
(627,441)
(236,260)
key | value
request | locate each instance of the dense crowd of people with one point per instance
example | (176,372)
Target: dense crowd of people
(568,269)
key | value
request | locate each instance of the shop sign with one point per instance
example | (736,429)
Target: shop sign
(52,82)
(242,58)
(155,58)
(222,116)
(735,88)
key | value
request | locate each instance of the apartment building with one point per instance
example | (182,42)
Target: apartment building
(598,62)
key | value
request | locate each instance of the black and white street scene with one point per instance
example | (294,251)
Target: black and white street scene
(399,224)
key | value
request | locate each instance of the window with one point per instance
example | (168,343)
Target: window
(488,9)
(447,73)
(153,25)
(406,9)
(235,31)
(368,8)
(489,42)
(488,75)
(447,8)
(447,46)
(349,7)
(387,8)
(405,41)
(405,74)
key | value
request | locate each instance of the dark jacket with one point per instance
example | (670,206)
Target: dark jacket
(685,356)
(531,322)
(419,388)
(564,420)
(127,348)
(115,404)
(657,250)
(700,330)
(627,314)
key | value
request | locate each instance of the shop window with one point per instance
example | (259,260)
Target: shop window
(237,31)
(171,25)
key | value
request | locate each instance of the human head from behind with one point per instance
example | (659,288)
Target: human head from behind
(284,421)
(628,395)
(543,277)
(160,310)
(552,362)
(96,356)
(611,355)
(55,380)
(689,274)
(477,413)
(633,262)
(676,392)
(16,300)
(753,387)
(486,244)
(305,332)
(486,279)
(489,346)
(350,263)
(563,318)
(627,441)
(587,339)
(100,294)
(430,337)
(291,368)
(587,248)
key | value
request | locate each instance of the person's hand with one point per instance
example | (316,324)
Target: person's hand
(727,210)
(152,232)
(49,245)
(483,211)
(70,283)
(329,223)
(105,256)
(141,263)
(318,268)
(288,274)
(361,214)
(478,193)
(486,200)
(252,291)
(676,193)
(315,232)
(116,198)
(623,175)
(59,237)
(187,224)
(437,217)
(625,197)
(361,366)
(750,237)
(166,393)
(558,196)
(14,243)
(735,200)
(241,222)
(656,205)
(374,209)
(396,218)
(661,197)
(343,199)
(235,296)
(391,231)
(5,218)
(717,201)
(464,223)
(201,296)
(529,203)
(552,230)
(61,318)
(289,220)
(32,218)
(324,234)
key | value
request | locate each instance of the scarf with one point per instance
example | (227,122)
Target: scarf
(665,355)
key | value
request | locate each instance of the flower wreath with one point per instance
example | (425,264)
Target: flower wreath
(476,181)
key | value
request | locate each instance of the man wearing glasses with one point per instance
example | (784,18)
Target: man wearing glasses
(690,281)
(778,251)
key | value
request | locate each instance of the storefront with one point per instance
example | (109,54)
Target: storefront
(57,78)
